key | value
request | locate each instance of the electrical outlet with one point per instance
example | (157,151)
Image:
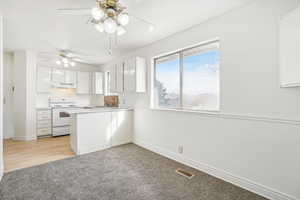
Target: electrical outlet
(180,149)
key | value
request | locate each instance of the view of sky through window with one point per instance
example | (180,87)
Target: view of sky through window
(200,80)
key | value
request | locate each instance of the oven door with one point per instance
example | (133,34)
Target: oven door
(61,117)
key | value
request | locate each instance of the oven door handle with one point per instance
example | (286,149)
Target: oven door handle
(64,115)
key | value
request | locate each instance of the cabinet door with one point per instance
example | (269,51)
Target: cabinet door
(58,76)
(113,79)
(98,83)
(93,132)
(120,75)
(83,83)
(70,77)
(122,127)
(141,74)
(44,80)
(129,75)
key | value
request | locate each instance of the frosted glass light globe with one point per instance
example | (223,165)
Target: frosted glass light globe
(110,26)
(123,19)
(97,13)
(73,64)
(151,28)
(65,60)
(121,30)
(99,27)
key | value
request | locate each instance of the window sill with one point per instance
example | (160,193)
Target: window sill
(208,112)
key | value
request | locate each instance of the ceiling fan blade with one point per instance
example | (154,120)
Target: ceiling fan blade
(74,11)
(80,53)
(47,54)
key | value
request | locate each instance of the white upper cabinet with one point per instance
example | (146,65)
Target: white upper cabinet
(289,45)
(58,76)
(83,82)
(129,75)
(98,83)
(44,80)
(140,74)
(63,79)
(70,77)
(135,75)
(112,79)
(120,78)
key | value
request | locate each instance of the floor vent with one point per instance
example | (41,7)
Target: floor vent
(184,173)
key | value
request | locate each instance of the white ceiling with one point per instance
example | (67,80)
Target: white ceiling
(35,24)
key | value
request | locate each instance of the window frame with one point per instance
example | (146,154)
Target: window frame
(181,51)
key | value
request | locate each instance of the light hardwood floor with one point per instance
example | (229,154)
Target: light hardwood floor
(22,154)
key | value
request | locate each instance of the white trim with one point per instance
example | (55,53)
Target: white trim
(91,149)
(1,171)
(179,52)
(219,173)
(216,39)
(267,119)
(24,138)
(1,98)
(287,85)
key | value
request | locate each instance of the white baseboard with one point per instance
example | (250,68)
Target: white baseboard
(1,171)
(226,176)
(23,138)
(91,149)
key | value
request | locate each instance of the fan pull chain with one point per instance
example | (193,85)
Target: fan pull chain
(110,46)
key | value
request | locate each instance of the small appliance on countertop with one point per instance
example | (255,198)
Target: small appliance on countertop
(111,101)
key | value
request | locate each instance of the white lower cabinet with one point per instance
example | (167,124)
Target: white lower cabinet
(97,131)
(121,127)
(92,132)
(44,122)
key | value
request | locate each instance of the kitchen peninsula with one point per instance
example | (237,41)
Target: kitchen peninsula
(100,128)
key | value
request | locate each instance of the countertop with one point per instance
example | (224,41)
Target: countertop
(98,110)
(43,108)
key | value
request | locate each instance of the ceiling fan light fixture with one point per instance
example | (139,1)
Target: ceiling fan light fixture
(151,28)
(58,62)
(110,26)
(73,64)
(65,60)
(121,30)
(66,65)
(97,13)
(123,19)
(99,27)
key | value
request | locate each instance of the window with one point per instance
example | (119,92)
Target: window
(188,79)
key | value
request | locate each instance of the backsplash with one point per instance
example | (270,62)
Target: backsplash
(42,100)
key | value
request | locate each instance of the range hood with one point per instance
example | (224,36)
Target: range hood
(63,85)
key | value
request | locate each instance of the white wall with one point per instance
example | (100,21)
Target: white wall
(8,123)
(1,96)
(254,141)
(24,95)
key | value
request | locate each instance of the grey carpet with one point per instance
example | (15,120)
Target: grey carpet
(127,172)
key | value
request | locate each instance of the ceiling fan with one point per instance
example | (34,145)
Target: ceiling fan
(63,57)
(108,16)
